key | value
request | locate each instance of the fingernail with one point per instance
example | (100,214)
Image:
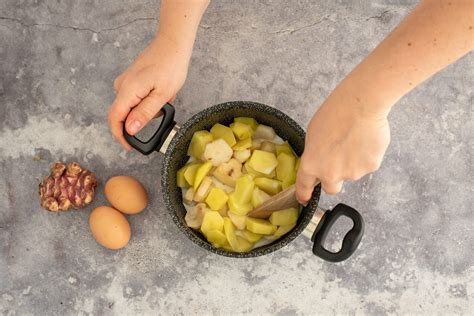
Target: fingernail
(134,127)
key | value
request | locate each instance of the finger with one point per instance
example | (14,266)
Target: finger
(145,111)
(118,82)
(332,187)
(127,98)
(305,184)
(172,99)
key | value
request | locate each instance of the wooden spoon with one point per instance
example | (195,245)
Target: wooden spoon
(283,200)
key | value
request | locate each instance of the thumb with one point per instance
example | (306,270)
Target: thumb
(305,184)
(145,111)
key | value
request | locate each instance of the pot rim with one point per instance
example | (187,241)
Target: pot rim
(303,220)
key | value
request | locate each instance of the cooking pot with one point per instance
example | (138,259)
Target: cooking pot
(173,142)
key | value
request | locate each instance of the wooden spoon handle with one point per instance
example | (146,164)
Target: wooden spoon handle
(284,199)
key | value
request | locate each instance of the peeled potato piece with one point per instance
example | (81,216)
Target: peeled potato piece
(194,215)
(248,121)
(229,231)
(216,199)
(270,186)
(198,143)
(203,189)
(237,220)
(284,217)
(252,237)
(286,164)
(224,132)
(218,152)
(212,221)
(243,189)
(263,161)
(241,130)
(216,238)
(260,226)
(264,132)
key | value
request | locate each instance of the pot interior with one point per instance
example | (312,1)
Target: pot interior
(224,113)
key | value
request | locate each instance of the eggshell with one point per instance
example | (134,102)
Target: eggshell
(126,194)
(109,227)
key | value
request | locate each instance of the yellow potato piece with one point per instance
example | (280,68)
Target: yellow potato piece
(252,237)
(236,207)
(264,132)
(237,220)
(284,148)
(284,217)
(198,143)
(243,245)
(258,197)
(260,226)
(252,171)
(243,144)
(298,162)
(241,130)
(283,230)
(270,186)
(248,121)
(190,173)
(180,179)
(201,172)
(216,238)
(268,146)
(212,220)
(216,199)
(286,164)
(263,161)
(243,189)
(229,231)
(224,132)
(289,180)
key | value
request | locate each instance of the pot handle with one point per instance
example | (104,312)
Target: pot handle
(159,137)
(351,239)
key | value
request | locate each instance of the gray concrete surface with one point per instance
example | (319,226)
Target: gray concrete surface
(58,62)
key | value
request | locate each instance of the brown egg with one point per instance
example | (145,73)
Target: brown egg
(109,227)
(126,194)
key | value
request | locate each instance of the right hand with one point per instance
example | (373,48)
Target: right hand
(341,144)
(151,81)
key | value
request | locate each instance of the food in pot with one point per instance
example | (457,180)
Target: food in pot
(232,170)
(126,194)
(68,186)
(109,227)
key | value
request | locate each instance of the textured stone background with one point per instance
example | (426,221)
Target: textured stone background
(58,61)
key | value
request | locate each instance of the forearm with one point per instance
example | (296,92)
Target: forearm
(179,21)
(434,35)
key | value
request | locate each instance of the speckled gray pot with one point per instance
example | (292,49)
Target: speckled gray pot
(224,113)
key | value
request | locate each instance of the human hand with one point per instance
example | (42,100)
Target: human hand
(342,143)
(146,85)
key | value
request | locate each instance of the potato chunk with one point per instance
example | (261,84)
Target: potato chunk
(218,152)
(288,216)
(286,164)
(264,132)
(260,226)
(224,132)
(243,189)
(212,221)
(248,121)
(263,161)
(216,199)
(270,186)
(241,130)
(198,143)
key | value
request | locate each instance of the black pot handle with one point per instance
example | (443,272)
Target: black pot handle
(159,137)
(351,239)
